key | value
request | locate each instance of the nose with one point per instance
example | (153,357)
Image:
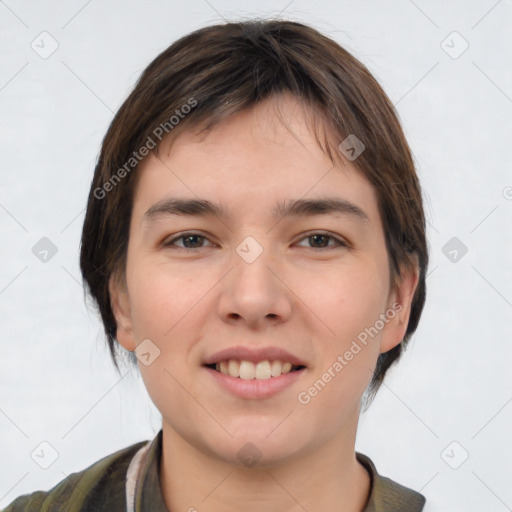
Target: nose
(254,293)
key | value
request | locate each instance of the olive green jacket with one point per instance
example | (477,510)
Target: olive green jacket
(102,488)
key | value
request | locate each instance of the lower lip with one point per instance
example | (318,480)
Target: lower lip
(254,388)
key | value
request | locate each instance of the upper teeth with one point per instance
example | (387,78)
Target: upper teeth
(247,370)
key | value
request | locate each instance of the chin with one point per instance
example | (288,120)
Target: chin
(256,448)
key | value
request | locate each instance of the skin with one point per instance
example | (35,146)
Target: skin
(310,296)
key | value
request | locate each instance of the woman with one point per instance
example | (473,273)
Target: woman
(255,236)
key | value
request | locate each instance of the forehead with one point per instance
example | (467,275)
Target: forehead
(259,158)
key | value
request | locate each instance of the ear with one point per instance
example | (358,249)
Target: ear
(120,304)
(399,308)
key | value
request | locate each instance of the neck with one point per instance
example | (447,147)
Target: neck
(329,478)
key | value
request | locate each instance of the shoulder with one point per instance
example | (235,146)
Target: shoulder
(387,495)
(101,486)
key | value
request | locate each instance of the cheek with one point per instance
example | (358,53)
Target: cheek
(349,308)
(166,308)
(348,300)
(163,299)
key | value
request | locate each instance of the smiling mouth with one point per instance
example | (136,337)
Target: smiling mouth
(247,370)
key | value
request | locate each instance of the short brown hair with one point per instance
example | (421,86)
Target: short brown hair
(223,69)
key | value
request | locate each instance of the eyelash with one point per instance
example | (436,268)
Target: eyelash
(338,242)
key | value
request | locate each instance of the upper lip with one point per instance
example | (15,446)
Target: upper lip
(255,355)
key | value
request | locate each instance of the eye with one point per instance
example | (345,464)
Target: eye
(190,241)
(321,241)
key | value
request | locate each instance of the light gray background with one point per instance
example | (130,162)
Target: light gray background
(454,383)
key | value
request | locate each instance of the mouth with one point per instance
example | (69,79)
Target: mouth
(248,370)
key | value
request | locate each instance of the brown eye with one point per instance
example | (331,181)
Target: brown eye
(319,240)
(192,241)
(323,241)
(189,241)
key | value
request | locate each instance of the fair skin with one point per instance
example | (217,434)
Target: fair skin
(305,293)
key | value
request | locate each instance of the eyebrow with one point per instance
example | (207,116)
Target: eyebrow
(296,207)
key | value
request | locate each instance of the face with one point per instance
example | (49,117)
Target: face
(285,263)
